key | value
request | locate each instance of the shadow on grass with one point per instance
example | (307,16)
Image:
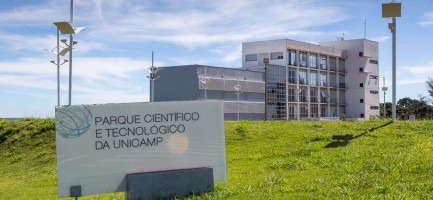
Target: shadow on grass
(344,140)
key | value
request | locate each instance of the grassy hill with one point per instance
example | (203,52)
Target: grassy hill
(265,160)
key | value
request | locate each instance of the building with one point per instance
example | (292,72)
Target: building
(317,81)
(303,80)
(243,91)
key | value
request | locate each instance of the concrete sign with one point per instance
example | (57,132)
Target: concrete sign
(97,145)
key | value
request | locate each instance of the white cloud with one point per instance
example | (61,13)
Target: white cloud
(428,20)
(422,70)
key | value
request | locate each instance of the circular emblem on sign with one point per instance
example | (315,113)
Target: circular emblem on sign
(73,121)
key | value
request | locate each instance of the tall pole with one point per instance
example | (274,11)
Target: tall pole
(394,85)
(70,53)
(384,99)
(58,67)
(152,82)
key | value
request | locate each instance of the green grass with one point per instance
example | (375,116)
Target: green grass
(265,160)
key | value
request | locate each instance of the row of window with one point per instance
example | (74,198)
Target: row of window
(314,60)
(315,78)
(315,95)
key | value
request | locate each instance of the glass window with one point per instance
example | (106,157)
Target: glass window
(323,111)
(291,94)
(251,57)
(333,96)
(304,111)
(291,76)
(341,65)
(332,80)
(302,77)
(342,97)
(302,59)
(342,82)
(313,95)
(323,96)
(323,79)
(333,63)
(374,62)
(292,57)
(314,111)
(303,94)
(313,61)
(277,56)
(313,78)
(323,62)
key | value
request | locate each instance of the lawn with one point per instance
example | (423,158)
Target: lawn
(265,160)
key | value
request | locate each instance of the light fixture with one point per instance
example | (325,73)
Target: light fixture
(67,28)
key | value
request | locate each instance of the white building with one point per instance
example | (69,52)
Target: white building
(318,81)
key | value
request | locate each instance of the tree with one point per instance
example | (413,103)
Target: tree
(429,84)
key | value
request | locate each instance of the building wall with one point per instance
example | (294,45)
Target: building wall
(363,75)
(198,82)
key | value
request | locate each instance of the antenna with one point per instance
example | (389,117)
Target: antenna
(365,29)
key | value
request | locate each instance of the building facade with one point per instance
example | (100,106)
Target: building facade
(241,90)
(305,80)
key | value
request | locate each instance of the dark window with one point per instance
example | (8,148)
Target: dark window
(361,100)
(251,57)
(374,92)
(361,85)
(362,115)
(361,53)
(374,107)
(361,69)
(374,62)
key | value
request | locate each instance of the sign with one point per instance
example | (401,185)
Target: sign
(97,145)
(391,10)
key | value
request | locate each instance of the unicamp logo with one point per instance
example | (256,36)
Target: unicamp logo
(73,121)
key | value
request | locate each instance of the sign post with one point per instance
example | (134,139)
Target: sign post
(99,145)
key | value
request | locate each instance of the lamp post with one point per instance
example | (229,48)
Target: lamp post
(298,93)
(68,28)
(266,62)
(393,10)
(58,76)
(204,81)
(152,77)
(384,89)
(238,89)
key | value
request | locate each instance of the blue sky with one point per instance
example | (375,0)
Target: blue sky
(114,50)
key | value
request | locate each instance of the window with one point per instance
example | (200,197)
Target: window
(277,56)
(374,61)
(303,95)
(291,76)
(313,95)
(342,97)
(374,107)
(362,115)
(361,85)
(323,96)
(361,69)
(291,94)
(292,57)
(333,96)
(333,63)
(332,80)
(361,53)
(302,59)
(323,79)
(313,78)
(251,57)
(313,61)
(314,111)
(323,62)
(341,65)
(374,92)
(342,83)
(361,100)
(302,77)
(323,111)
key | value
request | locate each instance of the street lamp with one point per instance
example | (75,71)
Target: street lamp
(266,62)
(298,92)
(68,28)
(204,81)
(238,89)
(152,77)
(393,10)
(384,89)
(58,77)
